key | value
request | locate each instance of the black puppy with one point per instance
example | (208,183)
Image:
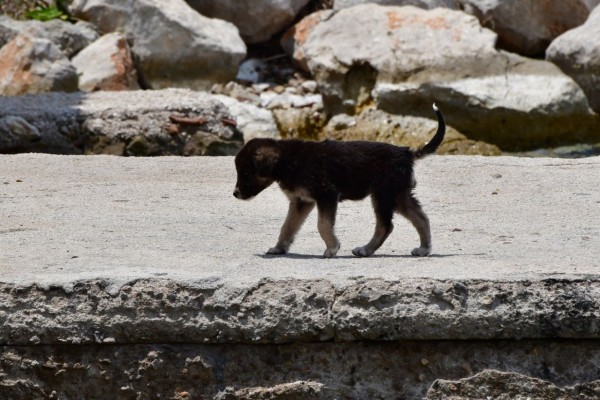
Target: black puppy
(324,173)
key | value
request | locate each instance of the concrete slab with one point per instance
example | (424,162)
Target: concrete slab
(147,278)
(514,239)
(68,218)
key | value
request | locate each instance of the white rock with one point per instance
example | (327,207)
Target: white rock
(33,65)
(577,53)
(174,46)
(253,121)
(106,64)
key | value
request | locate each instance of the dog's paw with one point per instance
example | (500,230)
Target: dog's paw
(362,252)
(421,251)
(275,251)
(331,252)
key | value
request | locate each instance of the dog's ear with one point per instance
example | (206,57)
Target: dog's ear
(265,160)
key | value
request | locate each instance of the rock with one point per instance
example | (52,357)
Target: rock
(427,4)
(508,385)
(257,20)
(532,105)
(527,27)
(414,132)
(140,123)
(405,58)
(253,121)
(180,48)
(577,53)
(106,64)
(70,38)
(293,40)
(17,134)
(392,44)
(32,65)
(299,390)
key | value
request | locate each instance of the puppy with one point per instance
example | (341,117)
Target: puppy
(325,173)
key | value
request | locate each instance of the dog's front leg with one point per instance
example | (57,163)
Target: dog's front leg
(297,213)
(326,223)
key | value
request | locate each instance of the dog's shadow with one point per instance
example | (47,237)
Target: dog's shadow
(296,256)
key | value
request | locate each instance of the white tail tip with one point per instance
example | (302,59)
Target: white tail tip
(435,107)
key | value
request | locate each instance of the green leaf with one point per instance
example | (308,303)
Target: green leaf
(45,14)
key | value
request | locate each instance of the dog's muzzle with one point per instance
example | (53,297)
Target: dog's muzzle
(237,194)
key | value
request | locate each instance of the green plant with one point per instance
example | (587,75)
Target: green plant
(47,12)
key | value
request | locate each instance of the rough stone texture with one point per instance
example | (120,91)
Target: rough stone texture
(173,46)
(118,123)
(293,40)
(70,38)
(577,53)
(32,65)
(402,131)
(257,20)
(295,310)
(106,64)
(351,370)
(509,385)
(528,26)
(393,44)
(532,105)
(427,4)
(145,275)
(445,56)
(253,121)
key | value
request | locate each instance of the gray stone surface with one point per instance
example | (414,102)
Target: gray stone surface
(70,38)
(118,123)
(32,65)
(329,370)
(528,26)
(257,20)
(577,53)
(509,385)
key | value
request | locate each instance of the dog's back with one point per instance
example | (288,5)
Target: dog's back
(352,169)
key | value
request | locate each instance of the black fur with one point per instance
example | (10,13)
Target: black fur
(324,173)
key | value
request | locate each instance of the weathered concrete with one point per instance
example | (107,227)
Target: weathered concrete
(107,259)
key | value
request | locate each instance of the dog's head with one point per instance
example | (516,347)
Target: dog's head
(255,165)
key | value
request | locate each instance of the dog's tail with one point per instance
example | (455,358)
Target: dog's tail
(435,142)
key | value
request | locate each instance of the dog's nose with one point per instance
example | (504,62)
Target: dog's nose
(236,193)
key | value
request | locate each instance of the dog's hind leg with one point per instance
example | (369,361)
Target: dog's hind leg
(384,211)
(410,208)
(325,224)
(297,213)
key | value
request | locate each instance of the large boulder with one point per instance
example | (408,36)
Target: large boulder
(532,105)
(257,20)
(70,38)
(577,53)
(33,65)
(413,57)
(528,26)
(173,45)
(130,123)
(106,64)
